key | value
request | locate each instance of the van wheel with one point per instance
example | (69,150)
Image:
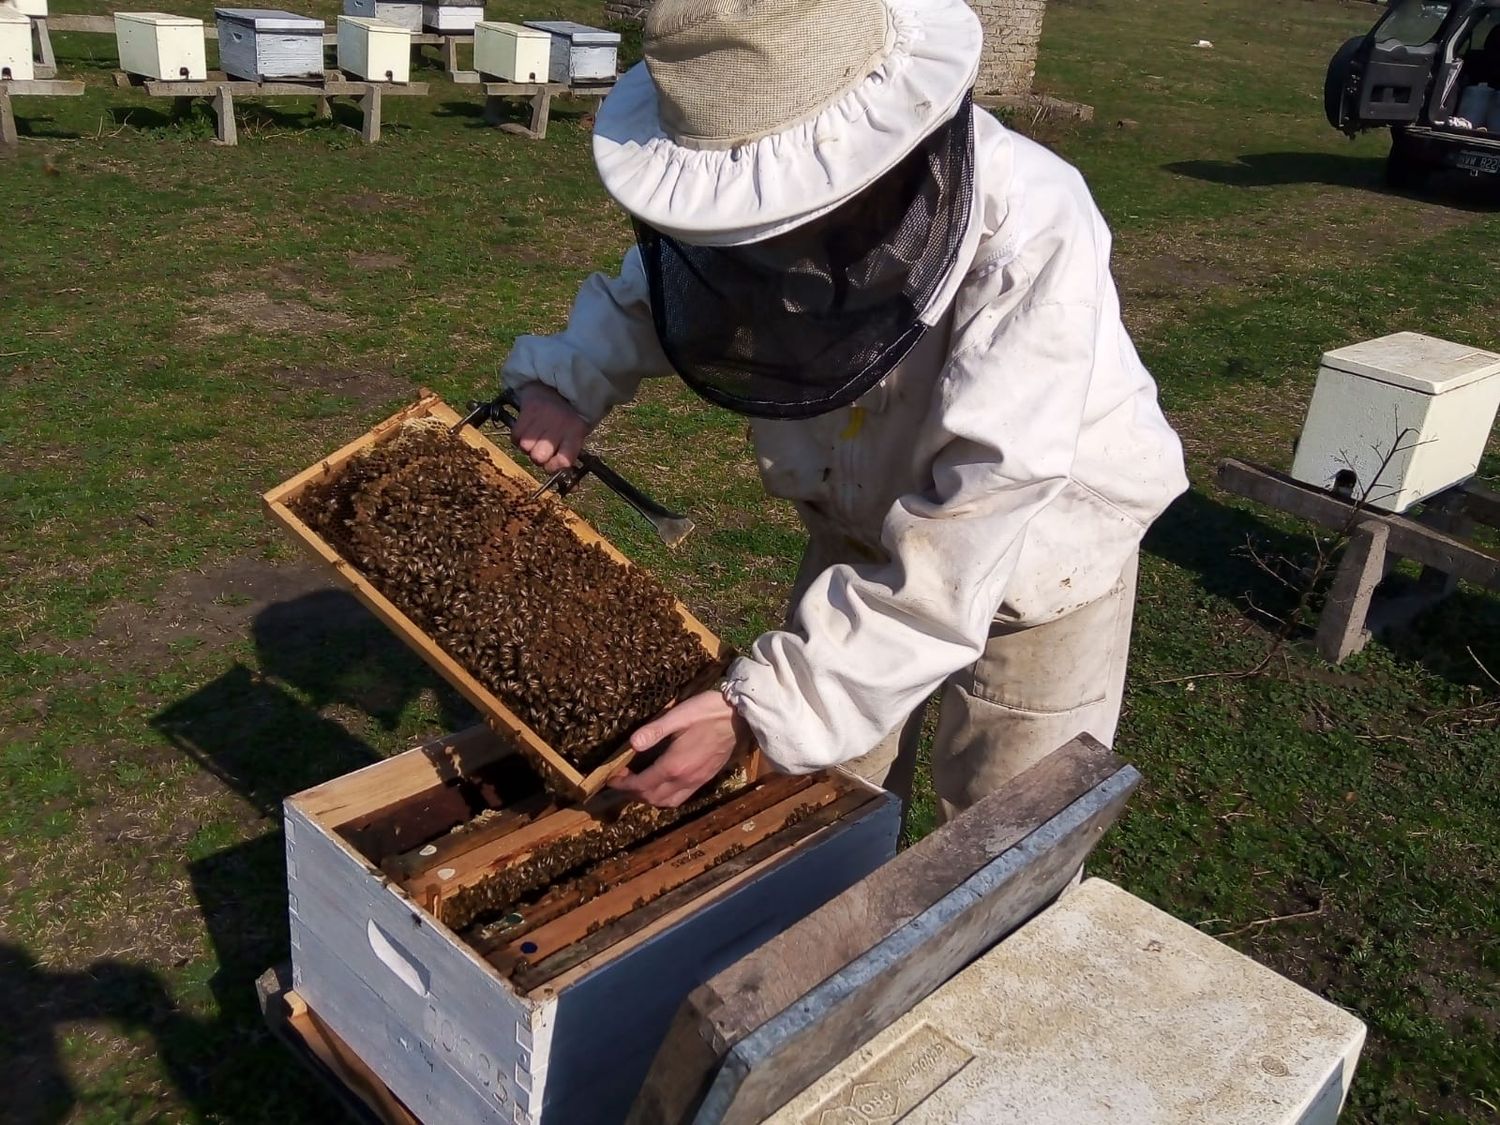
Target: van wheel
(1403,170)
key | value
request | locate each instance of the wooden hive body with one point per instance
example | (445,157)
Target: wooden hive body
(512,53)
(461,1036)
(258,44)
(402,13)
(15,46)
(580,54)
(562,775)
(162,46)
(374,49)
(452,18)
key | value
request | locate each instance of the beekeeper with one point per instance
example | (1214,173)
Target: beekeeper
(914,307)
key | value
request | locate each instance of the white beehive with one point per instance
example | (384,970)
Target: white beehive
(1411,410)
(15,46)
(511,52)
(35,8)
(374,49)
(268,43)
(1102,1010)
(452,18)
(580,54)
(402,13)
(158,45)
(458,1040)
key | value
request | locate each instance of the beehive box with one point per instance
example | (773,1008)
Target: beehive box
(158,45)
(374,49)
(15,46)
(549,1008)
(1401,418)
(581,55)
(699,647)
(399,12)
(267,43)
(452,18)
(511,52)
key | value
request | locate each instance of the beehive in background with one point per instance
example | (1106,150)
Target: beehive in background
(402,13)
(511,52)
(374,49)
(268,43)
(1399,419)
(15,46)
(452,16)
(580,54)
(158,45)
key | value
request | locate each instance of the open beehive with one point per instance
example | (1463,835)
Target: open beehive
(496,956)
(541,623)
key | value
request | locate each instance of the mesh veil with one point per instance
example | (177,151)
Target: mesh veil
(808,321)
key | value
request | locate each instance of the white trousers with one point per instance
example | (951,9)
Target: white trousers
(1033,690)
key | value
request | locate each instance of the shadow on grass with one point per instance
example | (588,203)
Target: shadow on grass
(1280,169)
(39,126)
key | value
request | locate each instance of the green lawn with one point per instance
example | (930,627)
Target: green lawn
(183,326)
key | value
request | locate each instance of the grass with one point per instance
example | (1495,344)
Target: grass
(183,326)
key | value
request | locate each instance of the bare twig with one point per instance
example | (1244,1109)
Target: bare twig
(1263,922)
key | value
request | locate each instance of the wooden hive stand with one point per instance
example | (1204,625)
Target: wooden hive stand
(30,88)
(46,60)
(220,91)
(539,93)
(1438,538)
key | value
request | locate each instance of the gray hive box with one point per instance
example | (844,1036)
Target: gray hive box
(580,54)
(267,43)
(402,13)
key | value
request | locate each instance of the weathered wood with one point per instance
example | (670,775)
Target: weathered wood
(1482,504)
(223,103)
(8,134)
(1408,538)
(762,1029)
(562,773)
(332,84)
(1341,627)
(370,106)
(41,87)
(46,61)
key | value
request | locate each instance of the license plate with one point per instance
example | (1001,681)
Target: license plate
(1479,163)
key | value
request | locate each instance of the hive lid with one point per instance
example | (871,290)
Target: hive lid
(577,32)
(1415,362)
(374,23)
(520,31)
(158,19)
(10,15)
(270,19)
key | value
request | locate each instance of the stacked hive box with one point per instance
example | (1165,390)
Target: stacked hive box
(452,17)
(402,13)
(161,46)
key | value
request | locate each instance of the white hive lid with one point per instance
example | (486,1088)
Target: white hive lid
(158,19)
(1416,362)
(373,23)
(520,31)
(270,19)
(577,32)
(10,15)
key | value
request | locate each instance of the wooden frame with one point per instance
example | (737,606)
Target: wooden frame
(480,1033)
(562,773)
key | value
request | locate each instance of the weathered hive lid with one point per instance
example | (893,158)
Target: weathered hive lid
(520,31)
(1416,362)
(577,32)
(158,19)
(270,19)
(10,15)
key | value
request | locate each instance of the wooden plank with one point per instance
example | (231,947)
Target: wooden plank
(692,892)
(1482,504)
(431,853)
(1341,626)
(226,132)
(1408,538)
(563,775)
(42,88)
(370,107)
(884,943)
(662,874)
(627,865)
(327,88)
(289,1018)
(8,134)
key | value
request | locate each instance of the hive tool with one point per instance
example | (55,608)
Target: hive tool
(671,527)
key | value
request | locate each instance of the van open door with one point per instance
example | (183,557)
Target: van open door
(1397,66)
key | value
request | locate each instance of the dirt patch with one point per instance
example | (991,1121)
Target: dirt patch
(369,388)
(374,261)
(259,312)
(583,649)
(371,202)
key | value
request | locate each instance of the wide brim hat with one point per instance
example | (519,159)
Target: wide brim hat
(749,118)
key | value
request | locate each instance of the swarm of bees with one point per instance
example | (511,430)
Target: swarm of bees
(581,648)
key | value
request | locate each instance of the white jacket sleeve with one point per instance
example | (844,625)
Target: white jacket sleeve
(872,641)
(608,347)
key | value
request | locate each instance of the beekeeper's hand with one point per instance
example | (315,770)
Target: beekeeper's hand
(549,430)
(705,732)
